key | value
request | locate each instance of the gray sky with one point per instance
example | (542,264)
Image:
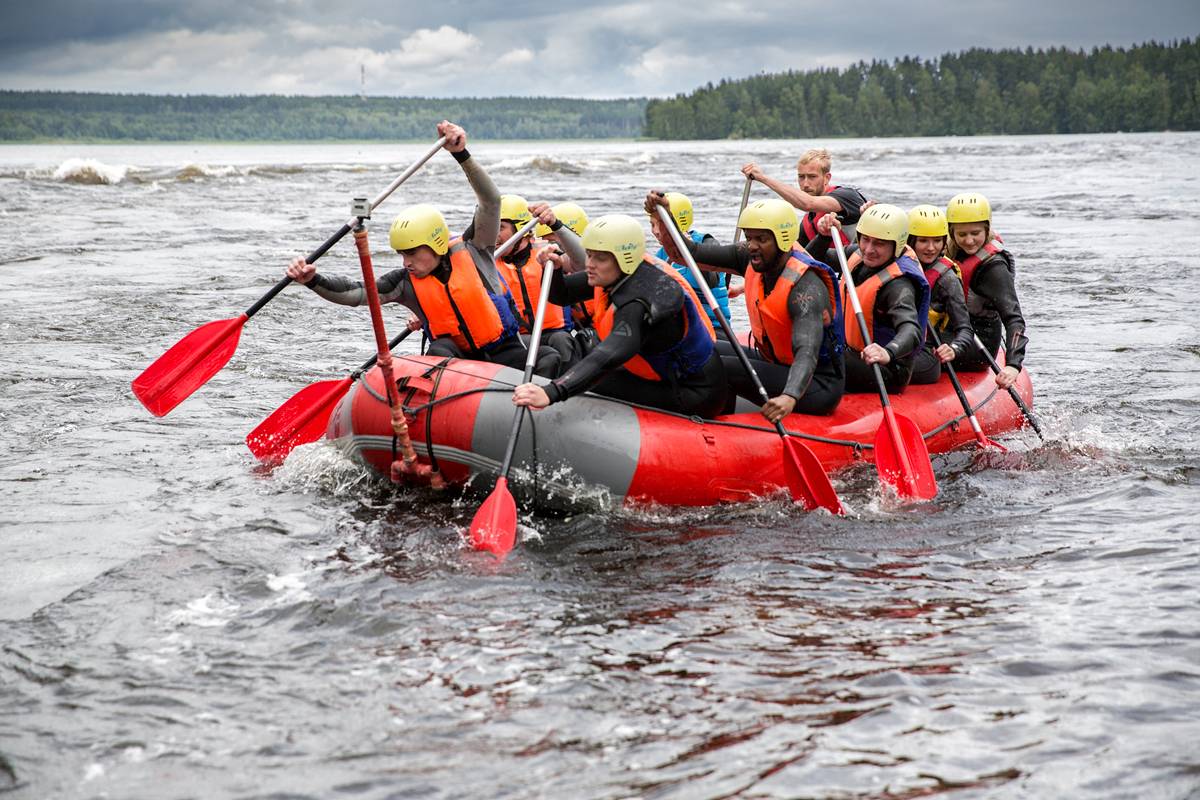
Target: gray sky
(444,48)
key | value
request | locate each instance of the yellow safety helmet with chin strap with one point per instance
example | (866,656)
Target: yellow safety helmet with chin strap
(620,235)
(420,225)
(680,207)
(885,221)
(927,220)
(569,214)
(968,207)
(773,215)
(514,209)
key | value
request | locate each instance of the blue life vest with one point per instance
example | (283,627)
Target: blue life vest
(720,291)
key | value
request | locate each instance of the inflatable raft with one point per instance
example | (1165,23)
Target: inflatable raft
(460,415)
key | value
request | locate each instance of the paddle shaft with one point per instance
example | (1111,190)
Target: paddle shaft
(737,232)
(962,396)
(312,257)
(1012,392)
(511,242)
(889,415)
(698,276)
(535,340)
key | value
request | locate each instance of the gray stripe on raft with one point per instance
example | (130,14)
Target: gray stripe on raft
(598,440)
(573,494)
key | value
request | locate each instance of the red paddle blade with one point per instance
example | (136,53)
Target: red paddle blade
(904,462)
(302,419)
(807,479)
(187,365)
(494,527)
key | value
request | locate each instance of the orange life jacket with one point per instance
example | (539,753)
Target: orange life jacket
(972,262)
(933,274)
(906,265)
(525,283)
(770,320)
(463,308)
(694,347)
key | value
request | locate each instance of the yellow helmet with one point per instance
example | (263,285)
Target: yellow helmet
(420,225)
(681,210)
(773,215)
(620,235)
(969,207)
(927,220)
(514,209)
(885,221)
(569,214)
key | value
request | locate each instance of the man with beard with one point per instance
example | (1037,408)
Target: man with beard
(794,309)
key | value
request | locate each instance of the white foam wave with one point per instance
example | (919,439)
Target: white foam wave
(210,611)
(90,172)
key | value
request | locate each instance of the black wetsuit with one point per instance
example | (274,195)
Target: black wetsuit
(946,297)
(817,386)
(895,308)
(851,201)
(648,319)
(992,303)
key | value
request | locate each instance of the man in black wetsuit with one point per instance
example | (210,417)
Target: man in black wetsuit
(655,341)
(816,195)
(893,293)
(794,310)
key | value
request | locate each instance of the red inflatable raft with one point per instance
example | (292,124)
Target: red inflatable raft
(461,414)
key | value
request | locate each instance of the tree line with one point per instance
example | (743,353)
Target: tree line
(1148,87)
(28,116)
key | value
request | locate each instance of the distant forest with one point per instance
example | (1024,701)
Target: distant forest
(1149,87)
(79,115)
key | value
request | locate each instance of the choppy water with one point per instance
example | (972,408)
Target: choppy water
(182,624)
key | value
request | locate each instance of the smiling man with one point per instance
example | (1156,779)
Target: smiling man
(450,283)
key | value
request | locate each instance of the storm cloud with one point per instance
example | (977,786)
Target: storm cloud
(465,48)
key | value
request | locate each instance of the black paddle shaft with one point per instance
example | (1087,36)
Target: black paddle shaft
(1012,392)
(962,396)
(311,259)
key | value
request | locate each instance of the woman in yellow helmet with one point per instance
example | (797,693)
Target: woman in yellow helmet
(927,234)
(656,343)
(450,283)
(988,273)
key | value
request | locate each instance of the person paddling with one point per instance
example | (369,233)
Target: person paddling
(655,344)
(451,284)
(988,278)
(521,268)
(927,232)
(680,208)
(816,194)
(894,296)
(794,308)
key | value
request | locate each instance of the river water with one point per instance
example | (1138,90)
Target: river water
(180,623)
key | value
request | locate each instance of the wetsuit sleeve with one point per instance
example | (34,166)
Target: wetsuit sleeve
(571,246)
(485,227)
(567,290)
(622,343)
(346,292)
(808,305)
(996,284)
(896,304)
(733,258)
(851,200)
(713,279)
(949,287)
